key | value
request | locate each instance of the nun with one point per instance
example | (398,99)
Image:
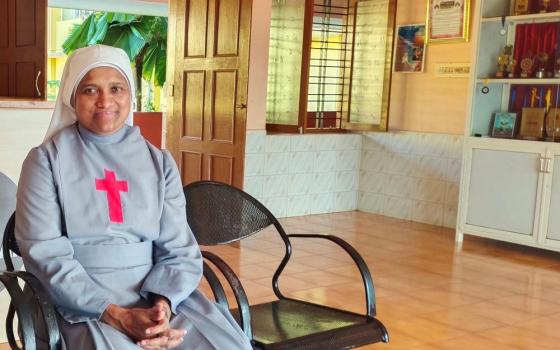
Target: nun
(100,221)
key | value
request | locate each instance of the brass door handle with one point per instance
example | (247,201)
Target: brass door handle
(37,83)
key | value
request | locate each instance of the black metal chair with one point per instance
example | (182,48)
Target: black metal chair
(219,214)
(31,304)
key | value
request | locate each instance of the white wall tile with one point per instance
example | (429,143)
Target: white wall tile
(401,164)
(372,182)
(404,142)
(298,205)
(254,164)
(452,194)
(453,170)
(348,160)
(277,163)
(428,213)
(345,201)
(399,186)
(277,205)
(302,143)
(321,203)
(324,182)
(275,185)
(397,207)
(429,190)
(347,181)
(455,146)
(325,142)
(302,162)
(431,167)
(277,143)
(254,186)
(255,142)
(450,216)
(325,161)
(348,141)
(301,184)
(371,202)
(375,160)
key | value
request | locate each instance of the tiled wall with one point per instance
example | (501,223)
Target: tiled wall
(413,176)
(303,174)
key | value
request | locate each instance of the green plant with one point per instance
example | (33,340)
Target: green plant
(143,38)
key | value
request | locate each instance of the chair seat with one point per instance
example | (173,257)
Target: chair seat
(291,324)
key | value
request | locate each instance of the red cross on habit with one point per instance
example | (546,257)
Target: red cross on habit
(113,188)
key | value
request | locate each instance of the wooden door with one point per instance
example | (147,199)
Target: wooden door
(23,51)
(209,71)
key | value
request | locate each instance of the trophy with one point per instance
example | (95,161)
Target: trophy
(526,65)
(510,68)
(542,59)
(544,6)
(553,124)
(504,60)
(557,68)
(521,7)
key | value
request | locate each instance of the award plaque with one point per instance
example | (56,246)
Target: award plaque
(521,7)
(532,123)
(504,124)
(553,124)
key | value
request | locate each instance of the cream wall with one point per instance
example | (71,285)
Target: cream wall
(420,101)
(258,64)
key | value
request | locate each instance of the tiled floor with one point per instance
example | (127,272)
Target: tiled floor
(431,295)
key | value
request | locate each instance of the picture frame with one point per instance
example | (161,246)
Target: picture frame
(410,48)
(448,20)
(532,123)
(504,124)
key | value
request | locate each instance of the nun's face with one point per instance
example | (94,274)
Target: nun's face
(102,100)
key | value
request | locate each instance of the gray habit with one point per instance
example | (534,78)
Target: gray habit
(127,237)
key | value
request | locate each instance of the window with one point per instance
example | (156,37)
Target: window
(329,65)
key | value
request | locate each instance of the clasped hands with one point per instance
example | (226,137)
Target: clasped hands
(148,327)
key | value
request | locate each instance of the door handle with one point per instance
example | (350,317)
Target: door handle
(242,106)
(548,167)
(37,83)
(542,165)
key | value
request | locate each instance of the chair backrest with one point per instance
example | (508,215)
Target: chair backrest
(219,214)
(7,199)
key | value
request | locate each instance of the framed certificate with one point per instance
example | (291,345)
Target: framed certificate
(504,124)
(448,20)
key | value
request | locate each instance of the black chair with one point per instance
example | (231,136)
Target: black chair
(31,304)
(219,214)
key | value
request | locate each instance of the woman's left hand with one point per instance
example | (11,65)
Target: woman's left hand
(166,340)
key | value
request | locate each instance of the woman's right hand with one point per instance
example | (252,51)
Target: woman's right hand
(134,322)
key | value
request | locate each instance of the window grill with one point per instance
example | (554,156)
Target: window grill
(329,64)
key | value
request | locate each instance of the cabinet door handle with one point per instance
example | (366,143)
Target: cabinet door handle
(548,165)
(37,83)
(542,165)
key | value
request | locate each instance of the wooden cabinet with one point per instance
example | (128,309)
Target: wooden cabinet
(510,187)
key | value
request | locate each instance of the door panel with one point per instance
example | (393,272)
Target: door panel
(224,106)
(206,128)
(553,217)
(23,48)
(227,28)
(503,190)
(193,111)
(192,166)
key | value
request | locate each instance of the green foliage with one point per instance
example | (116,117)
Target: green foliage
(143,38)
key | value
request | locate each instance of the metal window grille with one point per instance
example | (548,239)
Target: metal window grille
(330,63)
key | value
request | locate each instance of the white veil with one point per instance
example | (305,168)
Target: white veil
(78,64)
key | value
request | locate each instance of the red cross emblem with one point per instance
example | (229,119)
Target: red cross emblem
(113,188)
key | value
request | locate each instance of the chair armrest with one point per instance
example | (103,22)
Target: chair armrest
(19,306)
(215,285)
(360,263)
(42,301)
(238,291)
